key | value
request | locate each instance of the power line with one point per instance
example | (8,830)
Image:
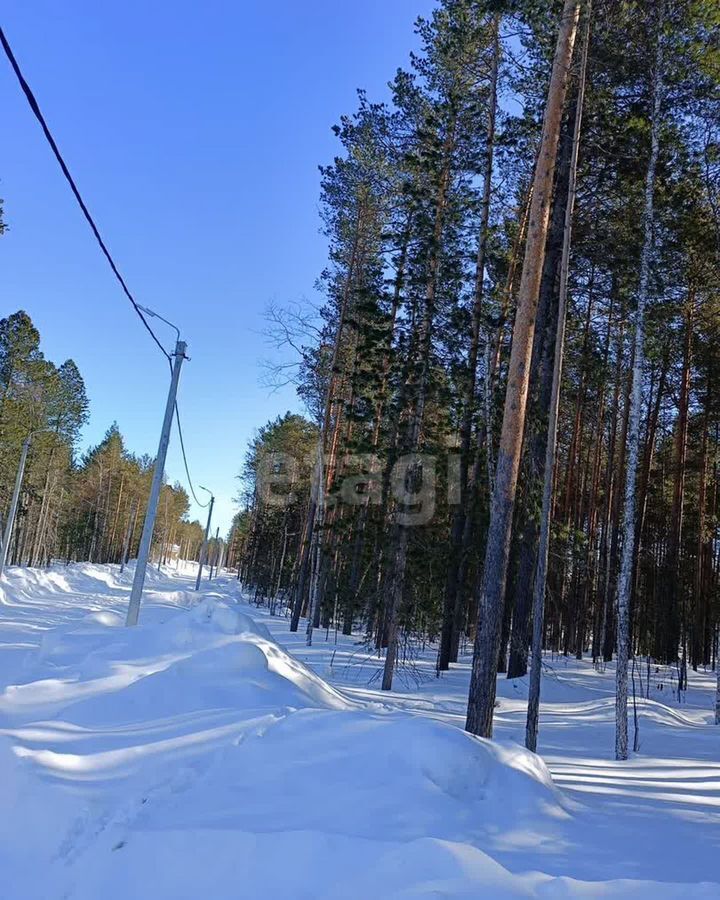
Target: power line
(34,106)
(187,470)
(43,124)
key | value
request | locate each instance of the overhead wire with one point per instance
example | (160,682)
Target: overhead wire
(35,107)
(187,470)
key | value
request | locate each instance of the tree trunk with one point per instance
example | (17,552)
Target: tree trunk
(526,529)
(419,376)
(481,699)
(311,546)
(548,479)
(468,402)
(673,613)
(633,437)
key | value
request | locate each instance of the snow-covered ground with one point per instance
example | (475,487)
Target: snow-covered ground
(209,754)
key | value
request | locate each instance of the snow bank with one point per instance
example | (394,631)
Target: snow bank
(349,771)
(192,756)
(97,672)
(145,740)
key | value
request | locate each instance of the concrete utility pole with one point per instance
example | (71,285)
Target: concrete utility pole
(203,549)
(149,525)
(5,548)
(217,554)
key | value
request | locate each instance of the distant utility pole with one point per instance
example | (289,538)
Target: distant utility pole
(149,525)
(203,549)
(5,549)
(217,554)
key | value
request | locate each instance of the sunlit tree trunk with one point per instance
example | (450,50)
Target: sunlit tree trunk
(633,434)
(481,700)
(548,478)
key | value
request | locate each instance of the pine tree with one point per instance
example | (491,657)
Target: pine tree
(481,700)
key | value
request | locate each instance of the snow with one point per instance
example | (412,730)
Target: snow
(209,753)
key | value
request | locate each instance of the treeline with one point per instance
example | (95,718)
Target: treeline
(416,512)
(86,508)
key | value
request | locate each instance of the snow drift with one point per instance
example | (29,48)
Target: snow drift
(198,721)
(193,756)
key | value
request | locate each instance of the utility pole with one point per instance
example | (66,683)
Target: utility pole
(203,549)
(5,548)
(149,525)
(128,535)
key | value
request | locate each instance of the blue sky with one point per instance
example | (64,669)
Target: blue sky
(194,132)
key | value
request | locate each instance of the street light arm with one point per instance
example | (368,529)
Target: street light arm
(155,315)
(40,431)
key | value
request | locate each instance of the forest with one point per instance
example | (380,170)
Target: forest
(512,385)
